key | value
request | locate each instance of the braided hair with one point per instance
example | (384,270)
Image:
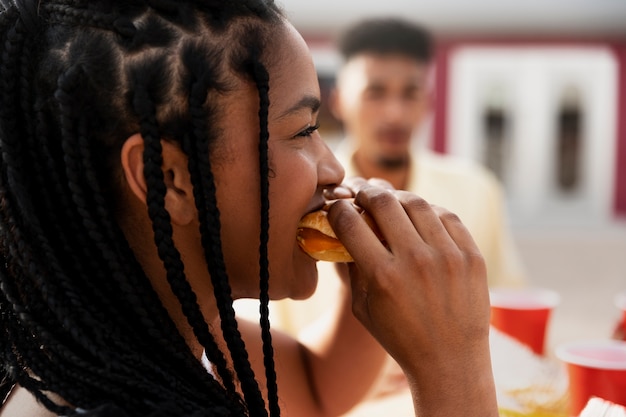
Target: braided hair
(78,315)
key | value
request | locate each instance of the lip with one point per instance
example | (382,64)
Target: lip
(317,205)
(325,205)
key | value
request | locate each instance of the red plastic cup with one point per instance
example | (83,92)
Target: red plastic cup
(620,302)
(596,368)
(523,314)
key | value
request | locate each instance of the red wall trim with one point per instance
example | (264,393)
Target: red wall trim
(440,128)
(620,162)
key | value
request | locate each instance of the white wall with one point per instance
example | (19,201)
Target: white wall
(531,81)
(484,16)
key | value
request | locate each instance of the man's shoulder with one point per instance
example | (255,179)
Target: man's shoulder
(453,165)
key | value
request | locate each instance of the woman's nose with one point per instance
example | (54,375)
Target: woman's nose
(329,171)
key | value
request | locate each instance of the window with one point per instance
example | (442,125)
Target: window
(568,140)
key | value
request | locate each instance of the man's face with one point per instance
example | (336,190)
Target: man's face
(382,100)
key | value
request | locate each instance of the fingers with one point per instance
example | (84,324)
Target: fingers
(407,223)
(356,184)
(337,193)
(412,231)
(457,232)
(410,227)
(353,231)
(421,217)
(352,185)
(437,226)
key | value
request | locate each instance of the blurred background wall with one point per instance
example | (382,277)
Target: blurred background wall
(535,90)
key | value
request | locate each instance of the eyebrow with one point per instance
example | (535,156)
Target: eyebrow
(307,102)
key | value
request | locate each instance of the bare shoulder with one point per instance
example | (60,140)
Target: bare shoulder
(21,403)
(251,333)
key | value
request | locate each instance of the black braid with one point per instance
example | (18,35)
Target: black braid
(262,79)
(202,77)
(208,212)
(78,160)
(162,227)
(251,65)
(76,309)
(118,270)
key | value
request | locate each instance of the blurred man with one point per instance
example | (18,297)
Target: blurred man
(382,98)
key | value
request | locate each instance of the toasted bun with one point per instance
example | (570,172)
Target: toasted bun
(317,238)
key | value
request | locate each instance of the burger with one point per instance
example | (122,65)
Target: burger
(317,238)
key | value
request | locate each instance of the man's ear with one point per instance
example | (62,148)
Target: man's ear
(179,201)
(334,104)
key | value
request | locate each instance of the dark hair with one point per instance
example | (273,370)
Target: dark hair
(386,36)
(78,316)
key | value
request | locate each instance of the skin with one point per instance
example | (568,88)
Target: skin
(423,298)
(382,100)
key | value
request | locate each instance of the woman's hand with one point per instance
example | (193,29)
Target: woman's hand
(423,295)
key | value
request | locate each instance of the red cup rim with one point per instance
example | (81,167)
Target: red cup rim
(567,352)
(507,297)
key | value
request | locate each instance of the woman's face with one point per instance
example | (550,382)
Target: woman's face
(301,167)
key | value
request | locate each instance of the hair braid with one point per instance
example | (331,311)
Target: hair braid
(85,193)
(78,160)
(162,227)
(261,78)
(144,316)
(11,148)
(62,13)
(61,204)
(203,77)
(119,272)
(208,213)
(12,153)
(41,371)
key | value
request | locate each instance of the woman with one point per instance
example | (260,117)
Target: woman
(156,159)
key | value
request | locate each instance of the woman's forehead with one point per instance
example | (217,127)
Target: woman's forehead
(292,72)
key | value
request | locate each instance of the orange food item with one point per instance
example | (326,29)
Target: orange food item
(317,238)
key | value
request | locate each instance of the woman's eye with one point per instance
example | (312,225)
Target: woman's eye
(308,131)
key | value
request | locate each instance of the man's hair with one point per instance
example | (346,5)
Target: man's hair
(386,36)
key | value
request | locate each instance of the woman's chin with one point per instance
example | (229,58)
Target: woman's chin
(304,277)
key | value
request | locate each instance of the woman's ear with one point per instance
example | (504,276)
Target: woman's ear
(179,201)
(131,158)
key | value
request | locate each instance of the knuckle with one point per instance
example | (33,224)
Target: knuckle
(452,260)
(377,198)
(416,203)
(476,262)
(384,278)
(343,217)
(448,216)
